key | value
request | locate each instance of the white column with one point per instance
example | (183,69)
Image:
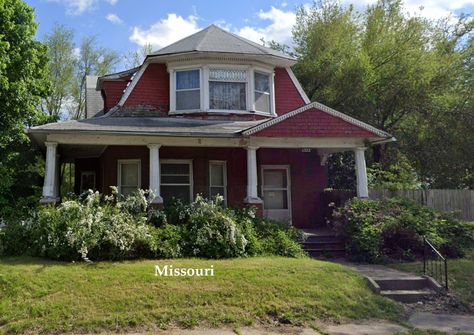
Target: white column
(252,181)
(361,173)
(50,176)
(155,172)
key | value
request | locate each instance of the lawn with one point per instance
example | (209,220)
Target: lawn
(460,275)
(45,296)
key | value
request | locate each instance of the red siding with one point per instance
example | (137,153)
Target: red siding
(152,89)
(287,97)
(113,91)
(308,177)
(314,123)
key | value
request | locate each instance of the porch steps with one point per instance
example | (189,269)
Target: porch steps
(405,289)
(323,244)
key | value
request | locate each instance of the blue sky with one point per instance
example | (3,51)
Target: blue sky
(125,25)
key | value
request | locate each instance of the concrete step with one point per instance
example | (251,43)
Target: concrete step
(325,238)
(407,296)
(405,283)
(321,253)
(323,245)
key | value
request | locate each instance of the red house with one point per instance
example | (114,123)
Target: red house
(210,114)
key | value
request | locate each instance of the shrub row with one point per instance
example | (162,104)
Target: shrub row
(377,230)
(94,227)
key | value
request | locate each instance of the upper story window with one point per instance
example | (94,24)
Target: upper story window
(188,90)
(262,92)
(228,89)
(222,88)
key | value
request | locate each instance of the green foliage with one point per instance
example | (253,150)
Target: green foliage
(397,176)
(394,228)
(93,227)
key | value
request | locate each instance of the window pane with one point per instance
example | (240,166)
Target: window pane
(216,191)
(217,174)
(187,79)
(275,199)
(175,168)
(227,95)
(174,179)
(227,75)
(129,175)
(262,82)
(188,100)
(262,102)
(274,178)
(179,192)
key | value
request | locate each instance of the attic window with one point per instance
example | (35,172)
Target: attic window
(227,89)
(188,90)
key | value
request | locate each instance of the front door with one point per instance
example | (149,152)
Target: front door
(276,192)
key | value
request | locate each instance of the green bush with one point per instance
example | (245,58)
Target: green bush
(94,227)
(394,228)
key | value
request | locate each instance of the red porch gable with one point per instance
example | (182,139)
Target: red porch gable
(315,120)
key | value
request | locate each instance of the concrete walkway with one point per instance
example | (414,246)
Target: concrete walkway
(447,323)
(377,271)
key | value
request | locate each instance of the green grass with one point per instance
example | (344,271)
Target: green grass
(45,296)
(460,275)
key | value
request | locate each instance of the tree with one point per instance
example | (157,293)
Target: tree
(135,58)
(23,85)
(23,71)
(61,68)
(403,74)
(92,60)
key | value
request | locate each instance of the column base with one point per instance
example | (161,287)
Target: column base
(257,203)
(156,203)
(48,200)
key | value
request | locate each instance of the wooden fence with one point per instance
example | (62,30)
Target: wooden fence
(445,200)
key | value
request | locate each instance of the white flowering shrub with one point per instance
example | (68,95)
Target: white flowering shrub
(95,227)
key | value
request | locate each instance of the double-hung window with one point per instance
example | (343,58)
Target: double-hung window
(176,180)
(188,89)
(227,89)
(262,92)
(218,179)
(129,176)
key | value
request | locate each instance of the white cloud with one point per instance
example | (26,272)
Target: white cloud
(166,31)
(279,29)
(76,7)
(113,18)
(112,2)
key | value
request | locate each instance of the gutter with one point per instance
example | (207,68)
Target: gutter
(387,140)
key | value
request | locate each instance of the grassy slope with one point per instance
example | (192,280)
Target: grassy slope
(51,296)
(460,274)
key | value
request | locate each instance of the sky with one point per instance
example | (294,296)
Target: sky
(126,25)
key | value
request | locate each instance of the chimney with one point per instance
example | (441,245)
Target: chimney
(94,101)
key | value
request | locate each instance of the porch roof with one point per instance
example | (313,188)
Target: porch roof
(160,126)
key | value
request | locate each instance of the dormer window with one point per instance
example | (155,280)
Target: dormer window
(227,89)
(262,92)
(233,89)
(188,90)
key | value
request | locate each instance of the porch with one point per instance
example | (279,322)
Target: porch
(284,179)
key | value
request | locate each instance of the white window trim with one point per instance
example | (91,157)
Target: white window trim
(84,173)
(271,90)
(224,166)
(288,186)
(119,172)
(191,179)
(173,88)
(204,87)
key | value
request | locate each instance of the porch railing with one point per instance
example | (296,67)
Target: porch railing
(434,264)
